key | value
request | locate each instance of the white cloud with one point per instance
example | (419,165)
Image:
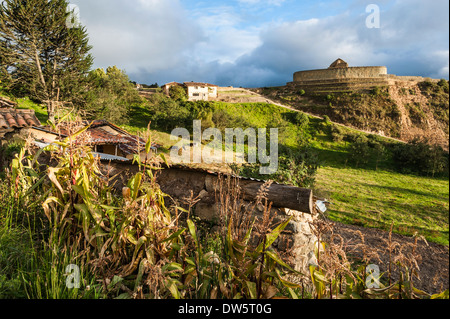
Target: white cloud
(146,34)
(224,39)
(159,40)
(412,40)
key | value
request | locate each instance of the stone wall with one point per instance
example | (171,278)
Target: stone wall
(341,73)
(339,85)
(334,80)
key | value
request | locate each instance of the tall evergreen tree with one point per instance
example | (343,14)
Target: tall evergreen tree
(43,53)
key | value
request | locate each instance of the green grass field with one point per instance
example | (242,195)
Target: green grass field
(377,199)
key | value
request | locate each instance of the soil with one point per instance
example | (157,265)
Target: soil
(433,261)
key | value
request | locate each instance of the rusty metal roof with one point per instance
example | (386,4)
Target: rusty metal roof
(15,119)
(111,158)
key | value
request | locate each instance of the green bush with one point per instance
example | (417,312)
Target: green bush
(109,95)
(421,158)
(359,151)
(177,93)
(444,85)
(337,133)
(301,120)
(167,114)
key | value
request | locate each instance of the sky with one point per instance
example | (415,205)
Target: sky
(257,43)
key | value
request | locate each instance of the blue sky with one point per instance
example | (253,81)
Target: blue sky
(254,43)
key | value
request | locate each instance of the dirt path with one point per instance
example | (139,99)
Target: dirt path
(433,266)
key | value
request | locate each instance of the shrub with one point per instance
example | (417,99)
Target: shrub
(359,151)
(177,93)
(109,95)
(337,133)
(376,91)
(421,158)
(295,167)
(351,136)
(301,120)
(168,114)
(444,85)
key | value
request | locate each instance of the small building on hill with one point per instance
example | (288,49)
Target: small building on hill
(196,91)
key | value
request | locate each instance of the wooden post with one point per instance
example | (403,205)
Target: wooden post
(285,196)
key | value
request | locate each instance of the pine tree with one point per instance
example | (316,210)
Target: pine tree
(44,55)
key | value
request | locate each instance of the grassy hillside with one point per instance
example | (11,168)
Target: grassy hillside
(376,194)
(405,110)
(364,190)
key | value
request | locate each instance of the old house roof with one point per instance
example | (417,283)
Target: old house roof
(103,132)
(199,84)
(172,83)
(11,119)
(7,103)
(99,136)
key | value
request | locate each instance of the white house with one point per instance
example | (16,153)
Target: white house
(200,91)
(196,91)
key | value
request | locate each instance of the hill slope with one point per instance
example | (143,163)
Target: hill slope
(406,111)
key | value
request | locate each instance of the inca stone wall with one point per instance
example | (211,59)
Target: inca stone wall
(341,73)
(340,78)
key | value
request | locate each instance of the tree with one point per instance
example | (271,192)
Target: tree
(360,151)
(168,114)
(177,93)
(110,95)
(44,56)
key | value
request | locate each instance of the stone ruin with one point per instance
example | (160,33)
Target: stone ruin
(340,77)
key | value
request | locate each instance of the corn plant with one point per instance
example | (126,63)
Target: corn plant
(241,268)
